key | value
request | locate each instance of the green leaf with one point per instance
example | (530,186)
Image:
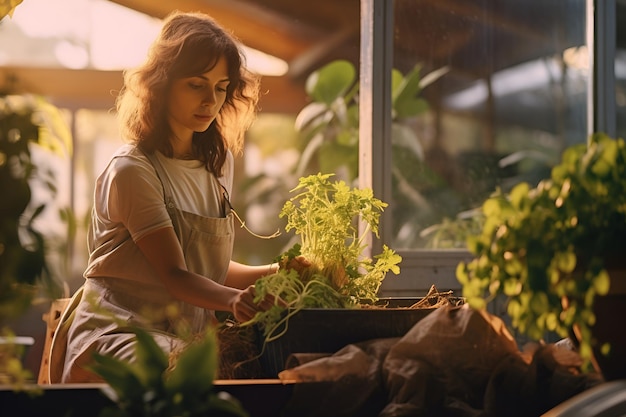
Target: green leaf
(406,102)
(512,287)
(196,367)
(226,405)
(406,138)
(433,76)
(519,194)
(331,81)
(492,207)
(602,283)
(152,361)
(397,82)
(333,156)
(313,116)
(405,91)
(565,261)
(120,375)
(54,133)
(514,308)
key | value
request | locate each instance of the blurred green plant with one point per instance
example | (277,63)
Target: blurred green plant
(546,248)
(160,385)
(329,128)
(11,370)
(26,122)
(453,233)
(330,123)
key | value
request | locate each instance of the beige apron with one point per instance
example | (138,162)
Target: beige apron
(87,326)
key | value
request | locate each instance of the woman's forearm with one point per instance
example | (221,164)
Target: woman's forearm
(242,276)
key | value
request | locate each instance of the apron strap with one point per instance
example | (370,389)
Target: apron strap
(160,172)
(167,190)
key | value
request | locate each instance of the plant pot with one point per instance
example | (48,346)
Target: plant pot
(326,330)
(610,310)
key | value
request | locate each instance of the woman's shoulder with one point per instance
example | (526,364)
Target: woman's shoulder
(129,153)
(129,157)
(129,161)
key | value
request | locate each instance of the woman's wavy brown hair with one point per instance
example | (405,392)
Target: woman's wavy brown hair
(189,44)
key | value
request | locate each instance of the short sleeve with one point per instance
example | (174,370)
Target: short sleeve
(131,194)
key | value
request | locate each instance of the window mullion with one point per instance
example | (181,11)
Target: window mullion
(375,106)
(601,35)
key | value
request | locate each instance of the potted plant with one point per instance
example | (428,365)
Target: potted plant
(324,216)
(333,301)
(555,250)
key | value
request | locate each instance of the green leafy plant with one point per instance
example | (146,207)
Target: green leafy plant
(330,123)
(158,385)
(329,128)
(546,248)
(324,215)
(11,370)
(28,124)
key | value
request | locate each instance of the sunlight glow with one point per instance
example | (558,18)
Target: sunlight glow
(264,64)
(123,45)
(52,19)
(99,34)
(71,55)
(577,57)
(532,75)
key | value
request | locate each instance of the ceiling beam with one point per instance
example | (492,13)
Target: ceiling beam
(464,8)
(248,22)
(93,89)
(65,87)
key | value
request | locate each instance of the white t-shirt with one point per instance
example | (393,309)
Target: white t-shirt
(129,203)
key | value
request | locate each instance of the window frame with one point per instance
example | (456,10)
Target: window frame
(420,268)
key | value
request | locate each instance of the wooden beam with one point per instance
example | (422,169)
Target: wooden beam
(93,89)
(65,87)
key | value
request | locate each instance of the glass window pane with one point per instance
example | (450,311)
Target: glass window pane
(509,95)
(620,69)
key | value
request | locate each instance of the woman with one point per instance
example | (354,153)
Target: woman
(161,233)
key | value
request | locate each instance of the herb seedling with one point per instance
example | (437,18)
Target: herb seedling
(324,214)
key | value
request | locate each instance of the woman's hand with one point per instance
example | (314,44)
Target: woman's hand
(299,264)
(244,308)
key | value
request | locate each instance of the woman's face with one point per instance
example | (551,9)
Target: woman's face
(195,101)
